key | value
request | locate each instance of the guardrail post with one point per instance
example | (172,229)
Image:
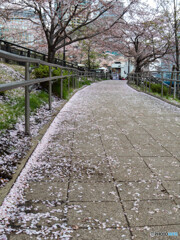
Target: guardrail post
(28,53)
(175,85)
(162,85)
(68,84)
(133,78)
(61,91)
(81,74)
(77,78)
(137,79)
(50,90)
(74,79)
(140,79)
(149,82)
(146,82)
(143,81)
(27,101)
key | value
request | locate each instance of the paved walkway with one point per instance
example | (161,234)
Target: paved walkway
(110,171)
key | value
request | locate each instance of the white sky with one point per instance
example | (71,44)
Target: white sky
(150,2)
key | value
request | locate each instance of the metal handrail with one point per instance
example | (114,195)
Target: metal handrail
(29,82)
(140,78)
(8,47)
(14,57)
(16,45)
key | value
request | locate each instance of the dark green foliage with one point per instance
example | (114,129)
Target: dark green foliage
(41,72)
(65,89)
(157,88)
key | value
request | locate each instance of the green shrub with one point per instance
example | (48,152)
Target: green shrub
(147,84)
(65,89)
(84,81)
(41,72)
(56,72)
(157,88)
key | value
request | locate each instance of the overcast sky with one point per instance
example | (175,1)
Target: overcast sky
(150,2)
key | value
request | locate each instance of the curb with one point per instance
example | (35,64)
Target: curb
(35,141)
(150,94)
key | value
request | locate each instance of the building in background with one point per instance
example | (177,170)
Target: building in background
(118,64)
(17,29)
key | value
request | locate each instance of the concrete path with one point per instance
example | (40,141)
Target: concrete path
(110,171)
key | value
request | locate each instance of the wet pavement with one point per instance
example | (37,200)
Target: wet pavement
(110,171)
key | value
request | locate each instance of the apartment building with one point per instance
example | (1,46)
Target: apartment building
(18,29)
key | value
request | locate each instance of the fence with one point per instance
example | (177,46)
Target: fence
(170,80)
(74,74)
(23,51)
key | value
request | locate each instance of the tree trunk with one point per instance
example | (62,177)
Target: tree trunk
(138,68)
(51,54)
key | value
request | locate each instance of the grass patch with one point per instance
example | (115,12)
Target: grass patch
(13,109)
(84,81)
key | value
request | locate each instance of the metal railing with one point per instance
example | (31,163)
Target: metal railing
(170,80)
(27,52)
(74,74)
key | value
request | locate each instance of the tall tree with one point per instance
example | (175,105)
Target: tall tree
(171,10)
(63,22)
(143,36)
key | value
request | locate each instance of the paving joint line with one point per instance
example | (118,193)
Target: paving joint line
(120,200)
(156,140)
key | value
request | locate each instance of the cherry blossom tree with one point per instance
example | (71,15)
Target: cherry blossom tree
(64,22)
(171,10)
(143,35)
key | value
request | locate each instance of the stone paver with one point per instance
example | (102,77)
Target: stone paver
(100,234)
(154,162)
(124,173)
(173,187)
(92,191)
(110,171)
(152,212)
(46,191)
(167,173)
(142,190)
(96,215)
